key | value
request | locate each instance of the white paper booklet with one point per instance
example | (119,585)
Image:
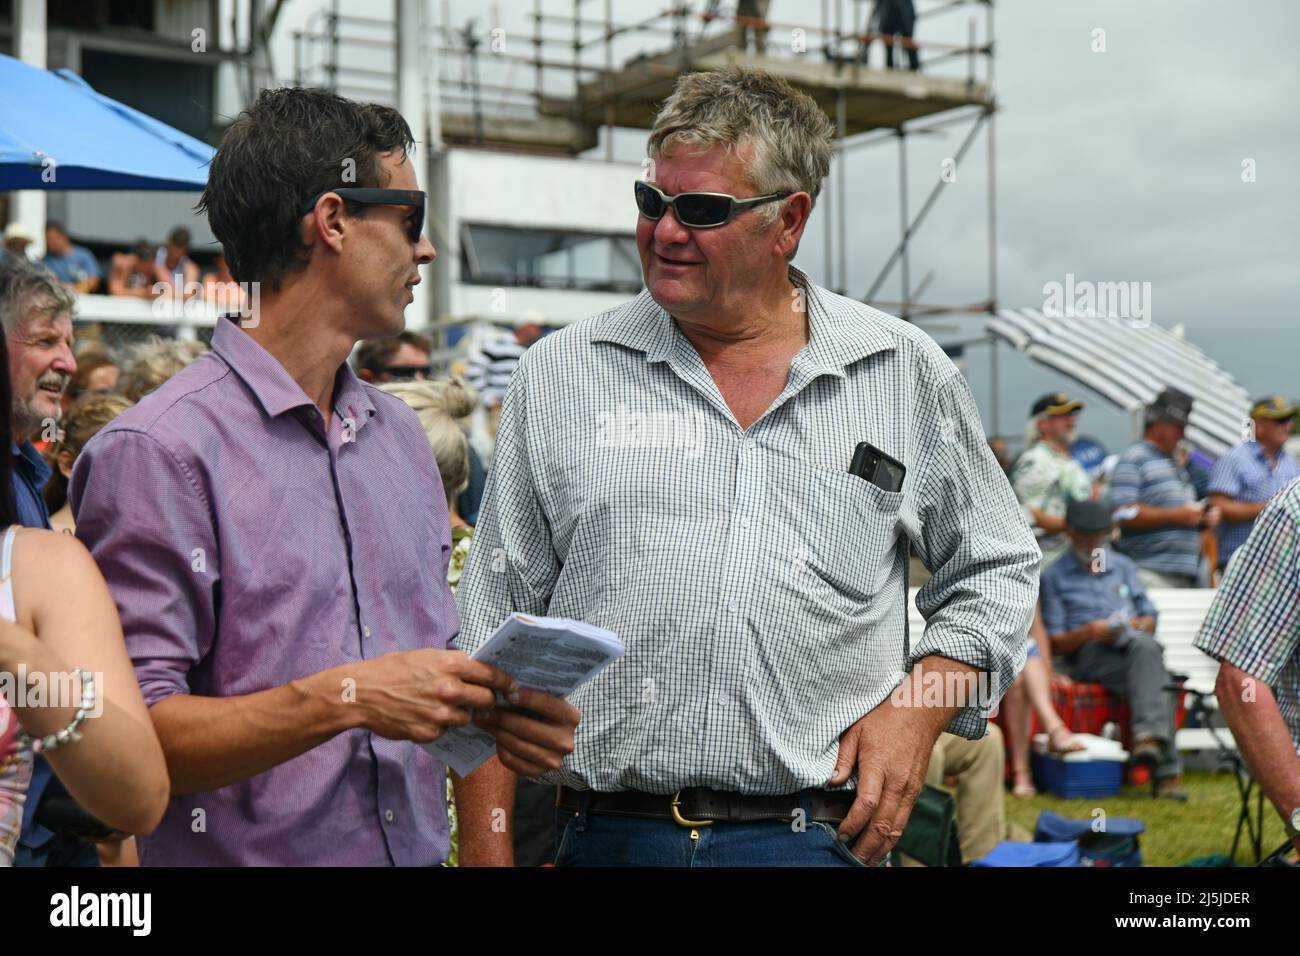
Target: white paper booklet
(552,654)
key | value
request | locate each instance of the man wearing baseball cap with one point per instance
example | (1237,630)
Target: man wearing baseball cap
(1251,473)
(1046,477)
(1099,617)
(1155,500)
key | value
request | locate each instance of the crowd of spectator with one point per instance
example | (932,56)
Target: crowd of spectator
(145,270)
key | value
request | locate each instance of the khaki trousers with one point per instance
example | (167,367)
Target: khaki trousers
(978,767)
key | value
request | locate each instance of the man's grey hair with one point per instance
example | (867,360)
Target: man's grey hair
(736,107)
(29,290)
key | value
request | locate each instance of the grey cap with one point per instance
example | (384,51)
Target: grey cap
(1173,404)
(1087,516)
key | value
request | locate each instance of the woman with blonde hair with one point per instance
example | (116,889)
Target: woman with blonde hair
(440,404)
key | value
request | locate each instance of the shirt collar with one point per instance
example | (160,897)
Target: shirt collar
(275,389)
(27,457)
(839,334)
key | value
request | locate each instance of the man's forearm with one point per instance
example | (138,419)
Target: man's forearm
(1149,516)
(942,715)
(1237,511)
(485,806)
(1052,524)
(1262,736)
(213,742)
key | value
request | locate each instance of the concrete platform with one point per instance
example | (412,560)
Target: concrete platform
(873,98)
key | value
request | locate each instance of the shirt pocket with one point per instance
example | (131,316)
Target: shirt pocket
(850,540)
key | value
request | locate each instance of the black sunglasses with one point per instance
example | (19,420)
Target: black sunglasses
(697,210)
(406,373)
(381,197)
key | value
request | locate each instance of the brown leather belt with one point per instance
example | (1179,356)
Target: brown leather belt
(698,806)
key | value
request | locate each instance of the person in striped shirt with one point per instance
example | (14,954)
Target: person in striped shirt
(1155,501)
(1253,629)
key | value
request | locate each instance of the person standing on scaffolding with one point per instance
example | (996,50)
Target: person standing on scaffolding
(890,19)
(754,10)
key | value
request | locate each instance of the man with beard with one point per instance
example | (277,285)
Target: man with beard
(37,314)
(36,311)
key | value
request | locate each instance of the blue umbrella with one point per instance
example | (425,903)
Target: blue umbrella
(56,132)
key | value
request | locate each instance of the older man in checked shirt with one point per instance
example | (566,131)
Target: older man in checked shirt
(759,587)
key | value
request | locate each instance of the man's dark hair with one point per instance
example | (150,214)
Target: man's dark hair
(377,354)
(180,236)
(56,226)
(289,146)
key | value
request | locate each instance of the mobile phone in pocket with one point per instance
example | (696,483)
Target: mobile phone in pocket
(873,465)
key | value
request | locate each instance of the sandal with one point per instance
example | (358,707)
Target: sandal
(1071,743)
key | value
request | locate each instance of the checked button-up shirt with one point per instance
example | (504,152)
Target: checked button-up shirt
(759,588)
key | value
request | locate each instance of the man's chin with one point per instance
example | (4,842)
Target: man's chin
(673,295)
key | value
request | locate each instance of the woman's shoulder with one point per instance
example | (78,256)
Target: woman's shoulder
(47,565)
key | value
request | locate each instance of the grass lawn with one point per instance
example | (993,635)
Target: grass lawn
(1175,832)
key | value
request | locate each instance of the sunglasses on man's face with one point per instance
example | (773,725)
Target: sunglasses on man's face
(381,197)
(406,373)
(697,210)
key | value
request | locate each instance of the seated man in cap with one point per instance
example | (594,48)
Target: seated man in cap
(1099,617)
(1251,473)
(1155,500)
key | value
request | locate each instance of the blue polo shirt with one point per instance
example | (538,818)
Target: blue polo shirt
(77,265)
(1073,594)
(1246,473)
(1146,475)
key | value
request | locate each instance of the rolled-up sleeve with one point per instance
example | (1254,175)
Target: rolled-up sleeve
(149,526)
(982,556)
(512,564)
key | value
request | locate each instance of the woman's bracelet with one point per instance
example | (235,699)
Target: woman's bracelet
(69,734)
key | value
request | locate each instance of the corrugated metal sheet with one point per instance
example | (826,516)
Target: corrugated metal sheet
(1128,364)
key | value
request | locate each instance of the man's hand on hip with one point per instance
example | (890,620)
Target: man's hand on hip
(890,749)
(535,738)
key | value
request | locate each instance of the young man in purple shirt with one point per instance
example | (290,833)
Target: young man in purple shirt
(272,531)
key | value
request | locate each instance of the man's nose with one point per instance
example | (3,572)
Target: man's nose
(669,230)
(424,252)
(65,362)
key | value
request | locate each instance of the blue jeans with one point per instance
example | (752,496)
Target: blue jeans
(598,839)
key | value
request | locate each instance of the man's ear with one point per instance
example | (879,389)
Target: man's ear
(326,223)
(795,211)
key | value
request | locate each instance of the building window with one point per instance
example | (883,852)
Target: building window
(549,259)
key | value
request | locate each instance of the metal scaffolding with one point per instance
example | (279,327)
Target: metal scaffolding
(586,75)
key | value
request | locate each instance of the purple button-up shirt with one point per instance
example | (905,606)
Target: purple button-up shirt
(247,547)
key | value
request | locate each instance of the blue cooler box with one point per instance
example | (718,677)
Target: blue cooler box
(1095,772)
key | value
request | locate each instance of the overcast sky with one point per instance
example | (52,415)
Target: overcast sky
(1122,165)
